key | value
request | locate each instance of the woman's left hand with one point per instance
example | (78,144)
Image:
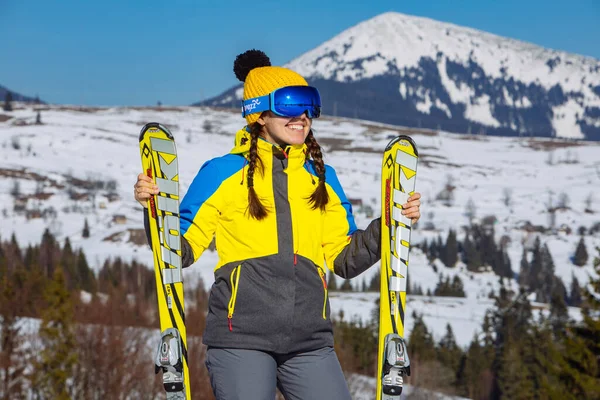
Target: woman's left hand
(411,209)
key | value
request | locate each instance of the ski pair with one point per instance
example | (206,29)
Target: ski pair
(159,161)
(398,177)
(399,169)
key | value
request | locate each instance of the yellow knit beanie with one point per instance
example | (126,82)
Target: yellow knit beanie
(260,78)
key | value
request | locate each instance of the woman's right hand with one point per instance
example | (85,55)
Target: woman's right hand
(143,189)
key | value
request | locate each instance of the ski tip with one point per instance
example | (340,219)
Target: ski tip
(400,138)
(155,125)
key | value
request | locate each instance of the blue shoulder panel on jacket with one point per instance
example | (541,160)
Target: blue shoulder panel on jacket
(332,179)
(205,184)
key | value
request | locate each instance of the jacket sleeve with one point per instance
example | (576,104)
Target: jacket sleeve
(348,251)
(200,209)
(199,214)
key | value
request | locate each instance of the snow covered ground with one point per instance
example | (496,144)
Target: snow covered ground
(102,145)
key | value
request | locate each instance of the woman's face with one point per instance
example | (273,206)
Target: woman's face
(285,130)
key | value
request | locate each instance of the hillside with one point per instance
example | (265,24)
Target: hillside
(81,163)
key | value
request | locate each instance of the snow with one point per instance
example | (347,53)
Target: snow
(102,144)
(480,111)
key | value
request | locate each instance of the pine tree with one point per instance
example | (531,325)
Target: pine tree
(559,315)
(535,268)
(475,375)
(451,249)
(49,253)
(57,358)
(582,377)
(86,275)
(443,287)
(575,296)
(331,284)
(13,361)
(346,286)
(375,284)
(471,256)
(448,352)
(420,342)
(86,229)
(68,262)
(545,361)
(501,265)
(457,288)
(546,277)
(524,271)
(581,254)
(8,98)
(514,379)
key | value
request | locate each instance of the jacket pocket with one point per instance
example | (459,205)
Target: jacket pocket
(234,278)
(322,275)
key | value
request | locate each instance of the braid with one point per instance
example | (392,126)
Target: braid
(255,207)
(320,197)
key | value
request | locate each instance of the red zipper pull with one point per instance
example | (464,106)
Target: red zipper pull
(322,275)
(230,325)
(295,259)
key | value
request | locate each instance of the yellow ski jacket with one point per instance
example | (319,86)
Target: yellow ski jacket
(270,289)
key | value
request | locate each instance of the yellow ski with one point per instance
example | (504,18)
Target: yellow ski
(159,161)
(398,176)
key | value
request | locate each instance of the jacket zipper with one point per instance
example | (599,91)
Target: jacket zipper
(322,275)
(234,278)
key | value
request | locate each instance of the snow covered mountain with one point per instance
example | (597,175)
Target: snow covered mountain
(418,72)
(80,163)
(16,96)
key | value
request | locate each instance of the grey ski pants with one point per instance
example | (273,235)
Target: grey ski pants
(237,374)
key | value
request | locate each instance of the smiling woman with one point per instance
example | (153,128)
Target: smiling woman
(281,220)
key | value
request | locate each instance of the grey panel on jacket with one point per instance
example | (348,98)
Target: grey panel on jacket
(278,306)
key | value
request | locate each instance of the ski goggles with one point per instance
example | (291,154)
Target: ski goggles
(288,101)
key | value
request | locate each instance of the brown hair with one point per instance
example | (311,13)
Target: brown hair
(319,198)
(255,207)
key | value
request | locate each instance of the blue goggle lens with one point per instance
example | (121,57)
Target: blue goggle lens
(289,101)
(293,101)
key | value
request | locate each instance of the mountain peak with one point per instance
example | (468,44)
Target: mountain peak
(415,71)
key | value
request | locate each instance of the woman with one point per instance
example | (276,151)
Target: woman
(280,218)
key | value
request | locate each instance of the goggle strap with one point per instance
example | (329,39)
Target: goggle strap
(255,105)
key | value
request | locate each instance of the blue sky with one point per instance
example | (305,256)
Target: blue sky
(125,52)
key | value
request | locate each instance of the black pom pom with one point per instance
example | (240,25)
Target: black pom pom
(246,62)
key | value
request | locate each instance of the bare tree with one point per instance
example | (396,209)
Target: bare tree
(447,193)
(207,126)
(588,202)
(507,196)
(551,211)
(471,210)
(16,189)
(563,200)
(15,143)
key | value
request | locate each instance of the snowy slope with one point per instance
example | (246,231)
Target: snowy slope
(102,145)
(416,71)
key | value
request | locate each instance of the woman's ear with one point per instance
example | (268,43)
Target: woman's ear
(262,119)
